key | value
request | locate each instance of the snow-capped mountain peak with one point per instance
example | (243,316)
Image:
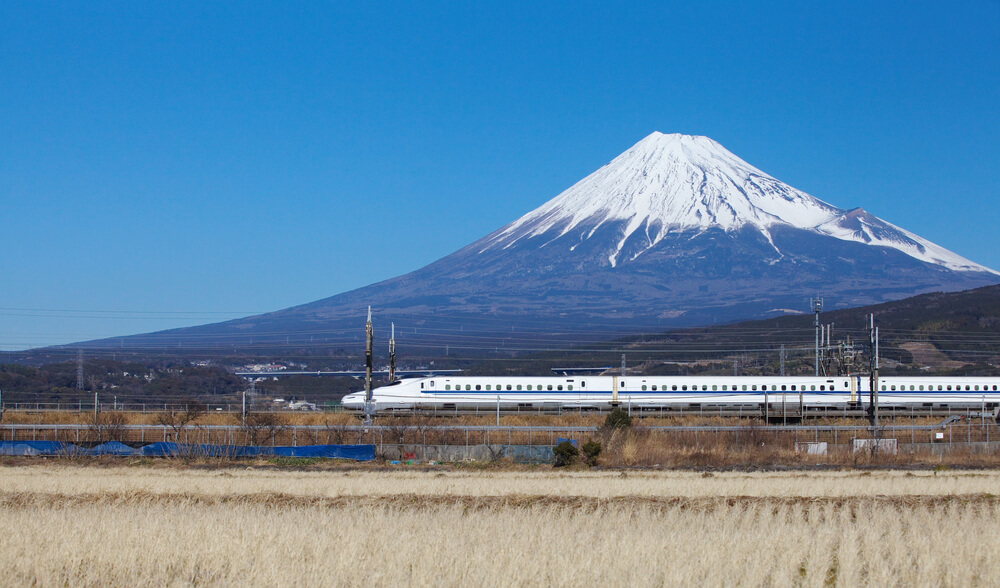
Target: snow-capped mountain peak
(672,183)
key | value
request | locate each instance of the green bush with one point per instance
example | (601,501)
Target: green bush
(565,453)
(591,449)
(618,419)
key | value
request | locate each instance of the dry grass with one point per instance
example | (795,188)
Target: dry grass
(371,481)
(142,526)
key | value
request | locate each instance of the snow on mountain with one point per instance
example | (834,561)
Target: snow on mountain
(669,184)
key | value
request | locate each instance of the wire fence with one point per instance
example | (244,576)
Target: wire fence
(962,432)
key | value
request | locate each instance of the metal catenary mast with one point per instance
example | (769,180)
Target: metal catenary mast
(369,407)
(392,354)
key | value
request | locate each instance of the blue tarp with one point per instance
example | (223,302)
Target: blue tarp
(169,449)
(112,448)
(355,452)
(37,448)
(563,440)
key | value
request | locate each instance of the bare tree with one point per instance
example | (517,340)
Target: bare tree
(262,426)
(339,433)
(179,418)
(396,428)
(110,426)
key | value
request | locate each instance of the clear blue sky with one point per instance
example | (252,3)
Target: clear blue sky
(167,163)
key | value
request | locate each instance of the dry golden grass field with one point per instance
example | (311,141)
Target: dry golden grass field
(169,524)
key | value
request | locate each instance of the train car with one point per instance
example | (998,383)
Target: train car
(600,392)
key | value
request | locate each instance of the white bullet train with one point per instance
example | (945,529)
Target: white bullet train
(686,392)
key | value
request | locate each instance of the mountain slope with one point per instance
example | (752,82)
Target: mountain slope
(676,231)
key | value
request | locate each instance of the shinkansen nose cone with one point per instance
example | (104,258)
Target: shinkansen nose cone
(354,401)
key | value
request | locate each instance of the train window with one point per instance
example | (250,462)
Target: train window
(793,386)
(977,387)
(684,387)
(509,386)
(822,387)
(912,387)
(583,384)
(447,386)
(569,386)
(714,387)
(782,387)
(421,385)
(949,387)
(966,386)
(744,386)
(893,387)
(559,387)
(518,386)
(921,387)
(812,387)
(487,387)
(550,386)
(529,386)
(468,386)
(654,387)
(674,387)
(883,387)
(764,387)
(479,387)
(725,387)
(704,386)
(621,384)
(994,387)
(644,387)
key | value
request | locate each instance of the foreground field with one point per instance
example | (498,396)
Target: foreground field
(154,526)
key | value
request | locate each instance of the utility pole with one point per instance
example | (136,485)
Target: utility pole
(623,365)
(782,359)
(392,354)
(79,370)
(817,307)
(873,395)
(369,335)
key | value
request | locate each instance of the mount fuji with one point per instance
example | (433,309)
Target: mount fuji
(676,231)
